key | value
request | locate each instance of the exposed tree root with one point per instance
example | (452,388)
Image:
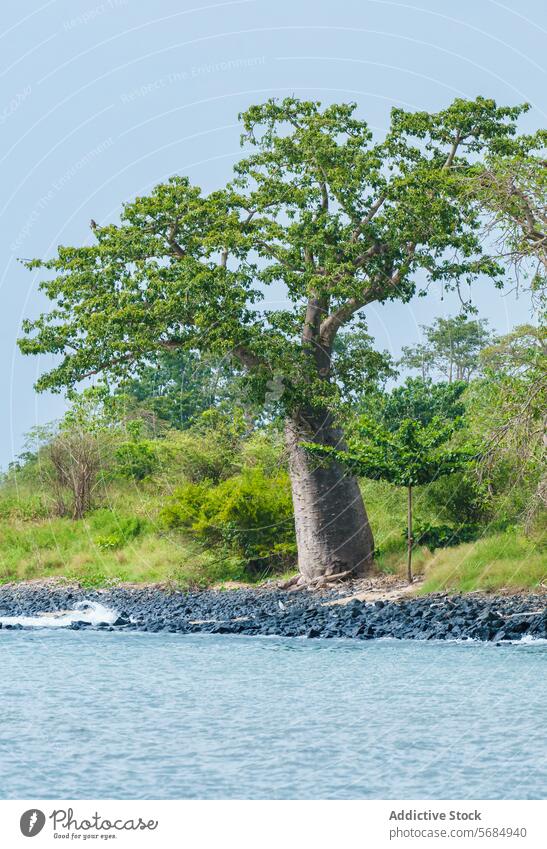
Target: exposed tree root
(286,585)
(299,582)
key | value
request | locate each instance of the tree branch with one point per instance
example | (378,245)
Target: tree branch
(368,217)
(273,249)
(453,150)
(126,358)
(324,196)
(173,244)
(246,357)
(331,325)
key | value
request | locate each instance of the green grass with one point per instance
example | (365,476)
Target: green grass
(62,548)
(502,561)
(386,508)
(123,541)
(498,560)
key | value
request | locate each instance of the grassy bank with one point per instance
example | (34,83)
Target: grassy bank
(125,540)
(503,560)
(498,559)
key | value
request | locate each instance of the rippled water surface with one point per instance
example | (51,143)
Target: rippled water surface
(113,715)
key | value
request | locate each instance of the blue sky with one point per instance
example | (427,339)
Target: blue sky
(101,100)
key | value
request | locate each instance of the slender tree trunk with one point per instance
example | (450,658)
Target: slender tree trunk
(410,539)
(332,529)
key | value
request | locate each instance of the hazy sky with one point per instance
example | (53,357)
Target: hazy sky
(101,100)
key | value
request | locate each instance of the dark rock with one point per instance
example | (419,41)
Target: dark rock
(268,611)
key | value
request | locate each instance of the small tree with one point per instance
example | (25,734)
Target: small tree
(78,452)
(76,460)
(414,454)
(419,358)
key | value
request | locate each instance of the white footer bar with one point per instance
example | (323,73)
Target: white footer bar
(274,824)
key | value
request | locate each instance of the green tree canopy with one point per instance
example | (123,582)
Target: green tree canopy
(414,454)
(419,400)
(452,348)
(177,386)
(511,187)
(341,219)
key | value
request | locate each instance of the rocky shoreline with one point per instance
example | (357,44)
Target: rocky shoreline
(270,611)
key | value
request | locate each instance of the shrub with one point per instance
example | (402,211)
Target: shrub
(458,498)
(185,506)
(249,514)
(264,449)
(210,450)
(136,459)
(442,536)
(199,456)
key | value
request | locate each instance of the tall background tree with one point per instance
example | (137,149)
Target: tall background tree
(174,387)
(342,220)
(451,348)
(510,186)
(419,400)
(510,407)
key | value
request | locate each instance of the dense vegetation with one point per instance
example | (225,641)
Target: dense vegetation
(125,489)
(197,437)
(333,217)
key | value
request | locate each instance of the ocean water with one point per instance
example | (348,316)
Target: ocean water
(86,714)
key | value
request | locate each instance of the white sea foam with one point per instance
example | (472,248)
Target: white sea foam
(527,640)
(84,611)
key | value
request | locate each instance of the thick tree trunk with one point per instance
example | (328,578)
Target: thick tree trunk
(332,529)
